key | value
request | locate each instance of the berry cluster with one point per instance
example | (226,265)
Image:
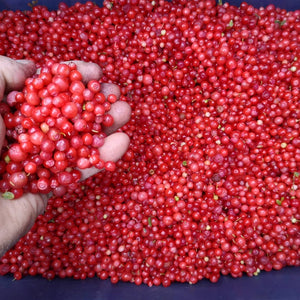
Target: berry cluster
(54,126)
(210,184)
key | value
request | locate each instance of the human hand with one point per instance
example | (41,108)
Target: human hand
(18,216)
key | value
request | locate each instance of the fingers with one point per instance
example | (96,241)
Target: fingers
(110,88)
(88,70)
(113,149)
(13,74)
(116,144)
(121,112)
(21,213)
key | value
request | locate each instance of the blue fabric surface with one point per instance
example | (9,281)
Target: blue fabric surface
(25,4)
(53,4)
(274,285)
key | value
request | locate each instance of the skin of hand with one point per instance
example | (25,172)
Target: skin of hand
(18,216)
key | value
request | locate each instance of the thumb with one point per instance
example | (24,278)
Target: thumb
(13,74)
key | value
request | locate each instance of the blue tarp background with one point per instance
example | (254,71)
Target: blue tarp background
(275,285)
(53,4)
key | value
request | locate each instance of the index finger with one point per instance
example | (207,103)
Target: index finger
(88,70)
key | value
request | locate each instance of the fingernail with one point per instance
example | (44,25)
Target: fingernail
(23,61)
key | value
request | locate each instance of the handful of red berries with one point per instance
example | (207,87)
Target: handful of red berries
(54,128)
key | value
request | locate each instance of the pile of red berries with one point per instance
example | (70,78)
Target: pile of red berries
(210,184)
(55,126)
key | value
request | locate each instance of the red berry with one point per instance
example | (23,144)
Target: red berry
(69,110)
(18,180)
(16,153)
